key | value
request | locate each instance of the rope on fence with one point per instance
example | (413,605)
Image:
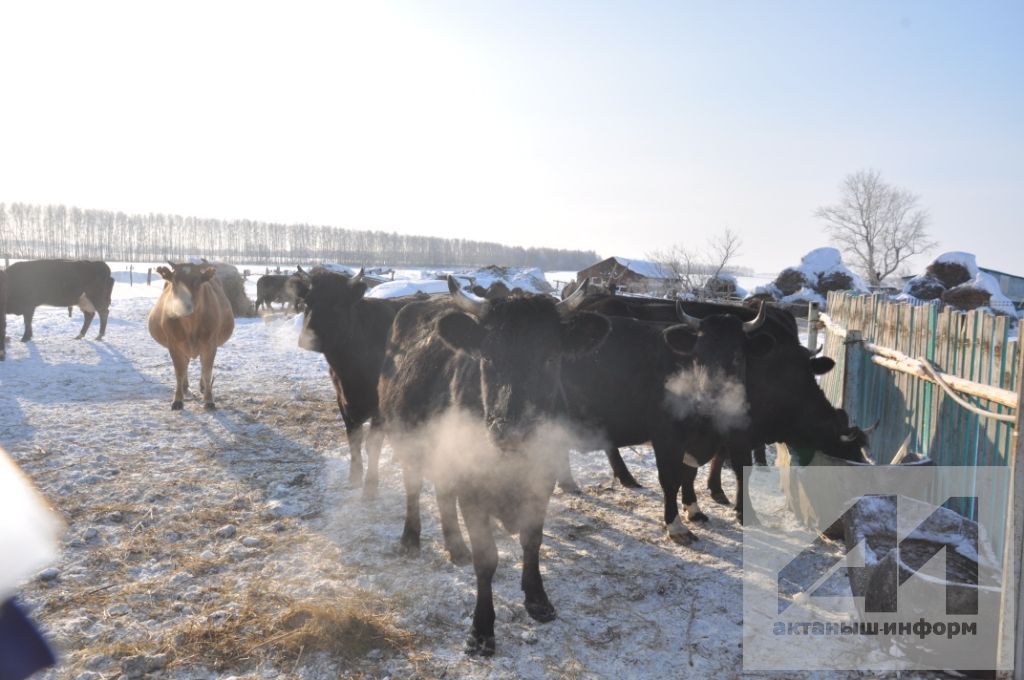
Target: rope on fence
(922,368)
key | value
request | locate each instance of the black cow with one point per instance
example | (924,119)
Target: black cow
(351,332)
(60,283)
(687,399)
(785,402)
(3,315)
(272,288)
(498,364)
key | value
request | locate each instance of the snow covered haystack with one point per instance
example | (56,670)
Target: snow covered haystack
(234,286)
(954,278)
(527,279)
(724,285)
(819,272)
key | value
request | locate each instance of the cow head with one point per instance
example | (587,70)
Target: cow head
(330,315)
(519,343)
(788,405)
(182,285)
(713,352)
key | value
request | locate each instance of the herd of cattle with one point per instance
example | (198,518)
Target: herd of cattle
(701,382)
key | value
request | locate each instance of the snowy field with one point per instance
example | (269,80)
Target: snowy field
(228,544)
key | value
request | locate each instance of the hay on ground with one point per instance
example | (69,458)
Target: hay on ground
(949,274)
(791,280)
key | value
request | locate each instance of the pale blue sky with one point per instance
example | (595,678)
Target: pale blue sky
(621,127)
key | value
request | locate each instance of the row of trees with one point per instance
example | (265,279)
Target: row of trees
(52,231)
(876,225)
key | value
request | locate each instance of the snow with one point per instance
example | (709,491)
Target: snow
(968,260)
(805,294)
(403,288)
(650,270)
(822,261)
(145,491)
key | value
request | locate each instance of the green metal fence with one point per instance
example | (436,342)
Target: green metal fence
(974,345)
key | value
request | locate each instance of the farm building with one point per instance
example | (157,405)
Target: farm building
(631,275)
(1011,285)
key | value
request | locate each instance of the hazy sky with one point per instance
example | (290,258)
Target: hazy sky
(621,127)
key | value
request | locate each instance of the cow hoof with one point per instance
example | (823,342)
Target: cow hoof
(460,555)
(720,497)
(79,336)
(697,517)
(210,406)
(541,611)
(747,520)
(683,537)
(479,645)
(630,482)
(100,336)
(355,477)
(410,546)
(26,338)
(570,487)
(177,405)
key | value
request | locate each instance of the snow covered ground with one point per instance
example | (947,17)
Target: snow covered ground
(228,544)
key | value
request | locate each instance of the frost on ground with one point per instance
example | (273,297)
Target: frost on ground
(228,543)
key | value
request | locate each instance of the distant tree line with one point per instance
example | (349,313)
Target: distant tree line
(30,231)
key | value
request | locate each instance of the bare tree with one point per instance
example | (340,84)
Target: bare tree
(878,226)
(692,268)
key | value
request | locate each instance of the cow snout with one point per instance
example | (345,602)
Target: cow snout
(309,340)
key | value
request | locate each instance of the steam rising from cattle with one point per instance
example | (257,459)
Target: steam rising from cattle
(699,392)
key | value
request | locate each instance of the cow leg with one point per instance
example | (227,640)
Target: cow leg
(206,357)
(412,478)
(485,562)
(690,505)
(180,362)
(86,322)
(27,316)
(620,470)
(564,474)
(715,479)
(760,455)
(104,314)
(670,475)
(739,458)
(531,532)
(446,507)
(374,443)
(354,433)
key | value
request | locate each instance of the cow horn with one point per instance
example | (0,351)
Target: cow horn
(572,303)
(869,430)
(756,322)
(691,321)
(817,351)
(173,266)
(358,277)
(473,306)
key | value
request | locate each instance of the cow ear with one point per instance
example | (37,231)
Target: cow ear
(681,338)
(822,365)
(208,273)
(760,344)
(461,332)
(584,332)
(165,273)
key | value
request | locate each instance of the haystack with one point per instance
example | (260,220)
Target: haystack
(833,281)
(790,280)
(949,273)
(234,288)
(925,288)
(967,297)
(721,286)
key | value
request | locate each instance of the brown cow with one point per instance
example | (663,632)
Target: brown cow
(192,318)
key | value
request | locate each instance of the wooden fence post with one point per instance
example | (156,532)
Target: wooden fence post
(812,326)
(854,354)
(1011,620)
